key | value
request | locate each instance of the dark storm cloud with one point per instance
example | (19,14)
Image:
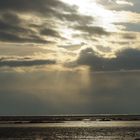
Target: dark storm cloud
(11,24)
(47,8)
(128,59)
(92,30)
(24,62)
(10,17)
(12,30)
(37,6)
(9,37)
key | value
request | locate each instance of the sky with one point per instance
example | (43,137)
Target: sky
(69,57)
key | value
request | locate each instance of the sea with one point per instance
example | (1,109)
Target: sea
(93,127)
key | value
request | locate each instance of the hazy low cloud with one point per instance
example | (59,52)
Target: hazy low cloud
(44,93)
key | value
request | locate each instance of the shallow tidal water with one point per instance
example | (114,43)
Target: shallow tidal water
(72,130)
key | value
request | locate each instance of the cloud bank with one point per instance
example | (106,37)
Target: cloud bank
(127,59)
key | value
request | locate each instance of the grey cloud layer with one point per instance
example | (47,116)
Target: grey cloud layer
(128,59)
(24,62)
(92,30)
(12,30)
(15,29)
(27,87)
(37,6)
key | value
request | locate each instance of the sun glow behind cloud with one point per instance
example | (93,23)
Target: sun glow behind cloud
(109,21)
(104,17)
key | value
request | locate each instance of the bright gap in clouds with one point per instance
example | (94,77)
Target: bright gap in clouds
(104,17)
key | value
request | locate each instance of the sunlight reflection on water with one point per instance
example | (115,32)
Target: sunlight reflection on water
(72,130)
(79,124)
